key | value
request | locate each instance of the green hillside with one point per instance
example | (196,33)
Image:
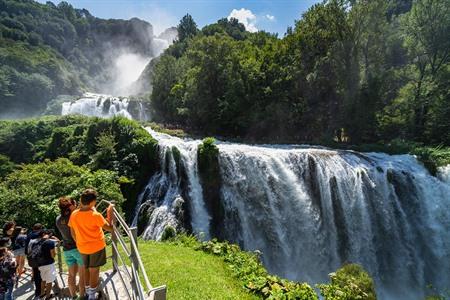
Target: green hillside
(47,50)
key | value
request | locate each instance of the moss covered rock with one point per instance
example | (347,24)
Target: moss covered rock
(208,165)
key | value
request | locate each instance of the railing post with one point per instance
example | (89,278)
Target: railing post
(134,259)
(114,253)
(114,241)
(60,264)
(134,253)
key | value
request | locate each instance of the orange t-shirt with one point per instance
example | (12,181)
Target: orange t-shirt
(88,230)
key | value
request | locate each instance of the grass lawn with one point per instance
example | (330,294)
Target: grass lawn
(188,274)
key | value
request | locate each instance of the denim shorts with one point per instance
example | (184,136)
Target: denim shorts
(19,252)
(73,257)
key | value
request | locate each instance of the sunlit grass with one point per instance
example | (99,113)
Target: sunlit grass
(188,274)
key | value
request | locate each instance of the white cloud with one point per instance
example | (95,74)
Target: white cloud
(246,17)
(270,17)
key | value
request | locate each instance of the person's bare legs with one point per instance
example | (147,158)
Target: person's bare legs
(94,274)
(20,268)
(43,292)
(48,289)
(72,280)
(87,277)
(82,282)
(20,264)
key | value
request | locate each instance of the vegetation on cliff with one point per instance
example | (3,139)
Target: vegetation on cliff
(118,144)
(47,50)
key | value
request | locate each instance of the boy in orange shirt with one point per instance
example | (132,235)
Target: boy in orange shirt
(86,226)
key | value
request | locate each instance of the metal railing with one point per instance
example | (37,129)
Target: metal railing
(124,242)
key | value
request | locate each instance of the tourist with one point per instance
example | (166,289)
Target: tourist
(34,234)
(41,253)
(19,253)
(16,245)
(72,256)
(87,227)
(8,270)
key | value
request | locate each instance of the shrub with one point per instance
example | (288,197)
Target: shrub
(168,234)
(6,166)
(350,282)
(29,195)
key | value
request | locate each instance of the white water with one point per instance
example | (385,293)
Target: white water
(165,188)
(310,210)
(97,105)
(101,105)
(444,173)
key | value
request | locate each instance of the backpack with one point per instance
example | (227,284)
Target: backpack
(35,254)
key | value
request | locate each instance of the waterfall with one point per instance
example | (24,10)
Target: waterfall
(309,210)
(171,187)
(319,209)
(444,173)
(100,105)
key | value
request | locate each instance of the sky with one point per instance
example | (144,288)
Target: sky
(272,16)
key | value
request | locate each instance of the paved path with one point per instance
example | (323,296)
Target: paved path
(113,287)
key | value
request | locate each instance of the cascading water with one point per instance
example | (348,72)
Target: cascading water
(309,210)
(321,208)
(444,174)
(100,105)
(97,105)
(164,193)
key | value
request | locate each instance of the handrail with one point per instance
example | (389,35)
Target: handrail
(138,291)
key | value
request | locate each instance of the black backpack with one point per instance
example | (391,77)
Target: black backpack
(35,254)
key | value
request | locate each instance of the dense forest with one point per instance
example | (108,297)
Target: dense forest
(47,50)
(42,159)
(348,71)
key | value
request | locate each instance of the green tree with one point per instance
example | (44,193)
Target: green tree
(427,30)
(187,28)
(29,194)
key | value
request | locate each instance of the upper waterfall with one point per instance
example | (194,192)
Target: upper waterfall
(309,210)
(101,105)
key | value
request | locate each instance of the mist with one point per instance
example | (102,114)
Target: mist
(127,69)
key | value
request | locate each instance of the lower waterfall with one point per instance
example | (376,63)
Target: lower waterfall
(309,210)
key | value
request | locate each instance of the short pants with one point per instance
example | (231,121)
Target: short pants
(94,260)
(19,252)
(48,273)
(73,257)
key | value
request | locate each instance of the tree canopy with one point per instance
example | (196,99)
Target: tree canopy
(348,71)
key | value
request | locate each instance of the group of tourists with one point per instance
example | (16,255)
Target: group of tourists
(80,232)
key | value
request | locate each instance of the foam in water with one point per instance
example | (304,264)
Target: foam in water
(310,210)
(100,105)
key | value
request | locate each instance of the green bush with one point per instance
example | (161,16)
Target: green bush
(350,282)
(29,195)
(168,234)
(6,166)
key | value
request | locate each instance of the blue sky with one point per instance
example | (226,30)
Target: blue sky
(272,16)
